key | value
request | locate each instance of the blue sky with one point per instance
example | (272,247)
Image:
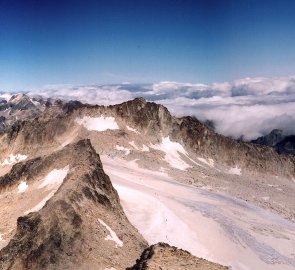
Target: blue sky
(87,42)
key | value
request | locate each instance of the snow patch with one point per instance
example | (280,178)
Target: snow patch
(195,162)
(132,143)
(35,102)
(12,159)
(144,148)
(209,161)
(122,148)
(52,182)
(132,129)
(22,187)
(17,98)
(101,123)
(172,150)
(112,236)
(54,178)
(236,170)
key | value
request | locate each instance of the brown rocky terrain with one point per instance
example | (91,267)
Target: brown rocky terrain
(82,226)
(164,257)
(19,108)
(264,172)
(151,120)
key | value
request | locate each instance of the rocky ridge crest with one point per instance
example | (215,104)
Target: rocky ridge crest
(71,230)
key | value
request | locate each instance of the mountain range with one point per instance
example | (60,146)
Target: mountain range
(283,144)
(130,186)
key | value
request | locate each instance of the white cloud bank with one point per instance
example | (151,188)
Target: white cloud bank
(248,107)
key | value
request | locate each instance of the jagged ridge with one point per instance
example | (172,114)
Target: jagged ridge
(163,256)
(153,120)
(66,233)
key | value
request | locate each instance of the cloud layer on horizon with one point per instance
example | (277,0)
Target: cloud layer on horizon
(248,107)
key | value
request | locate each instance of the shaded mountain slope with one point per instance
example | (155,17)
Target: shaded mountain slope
(19,108)
(81,226)
(286,146)
(283,144)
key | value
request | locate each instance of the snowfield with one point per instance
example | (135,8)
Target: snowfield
(211,225)
(161,225)
(101,123)
(172,152)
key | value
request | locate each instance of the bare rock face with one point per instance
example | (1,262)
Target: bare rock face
(17,109)
(155,119)
(271,139)
(163,256)
(286,146)
(57,126)
(283,144)
(82,226)
(152,120)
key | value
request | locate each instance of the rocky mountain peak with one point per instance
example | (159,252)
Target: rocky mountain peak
(18,97)
(149,116)
(283,144)
(21,102)
(71,230)
(140,100)
(271,139)
(18,108)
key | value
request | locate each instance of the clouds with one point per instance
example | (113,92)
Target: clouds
(248,107)
(93,94)
(5,96)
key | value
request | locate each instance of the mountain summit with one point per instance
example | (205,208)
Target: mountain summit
(92,187)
